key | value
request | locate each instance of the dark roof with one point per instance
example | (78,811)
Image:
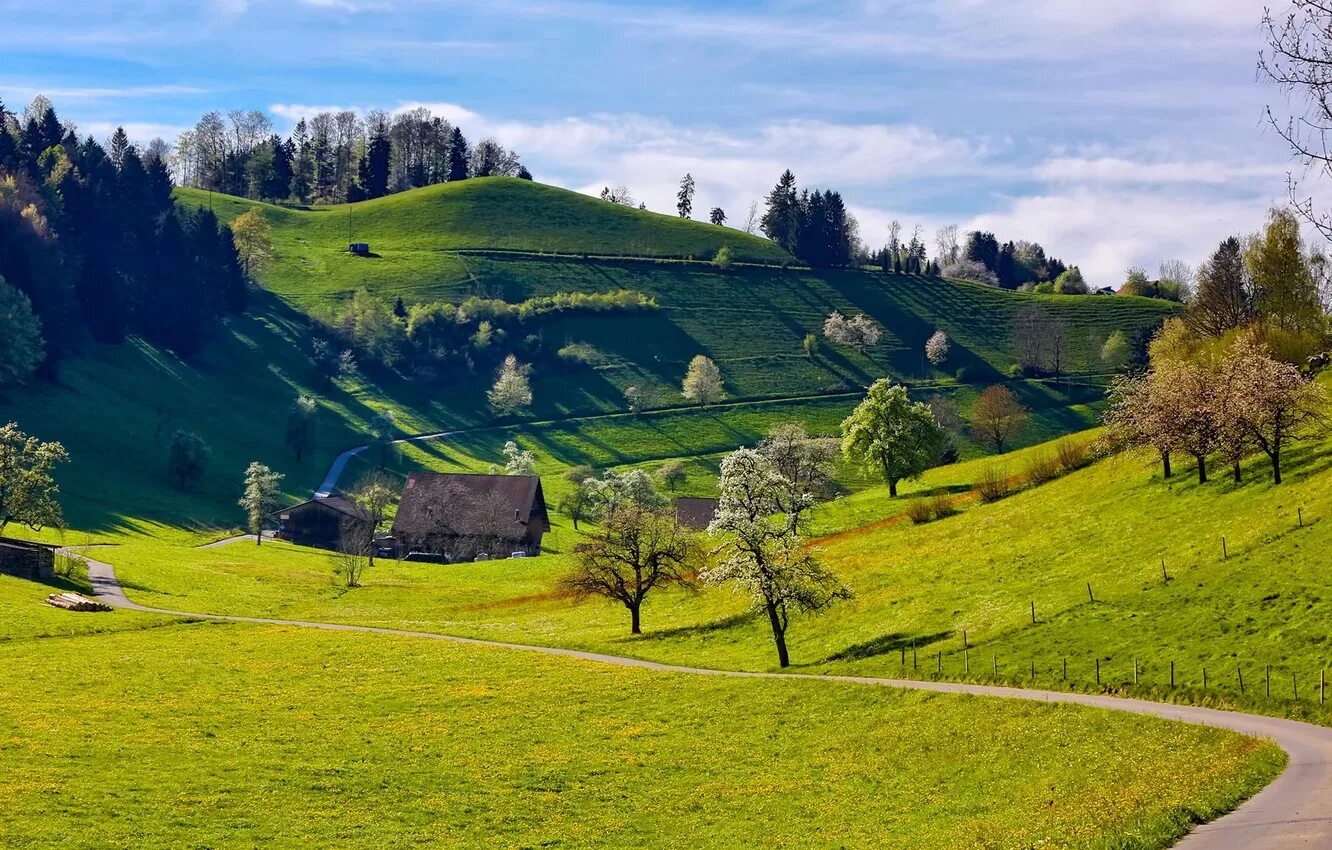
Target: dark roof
(461,504)
(695,513)
(339,503)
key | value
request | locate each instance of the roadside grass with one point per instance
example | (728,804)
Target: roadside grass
(24,614)
(294,738)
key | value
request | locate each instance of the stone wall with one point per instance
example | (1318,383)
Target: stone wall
(30,561)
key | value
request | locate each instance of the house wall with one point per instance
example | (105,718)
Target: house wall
(26,560)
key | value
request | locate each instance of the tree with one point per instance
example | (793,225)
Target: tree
(684,199)
(1138,415)
(350,560)
(579,503)
(983,248)
(614,490)
(27,489)
(1296,62)
(21,347)
(936,347)
(1116,353)
(810,345)
(260,498)
(511,392)
(779,222)
(1274,403)
(889,434)
(254,240)
(1071,282)
(187,457)
(374,494)
(860,332)
(383,430)
(965,269)
(618,195)
(751,218)
(1187,390)
(301,424)
(634,552)
(1221,301)
(1284,293)
(997,417)
(806,464)
(723,258)
(702,381)
(672,473)
(1039,340)
(518,461)
(945,244)
(717,216)
(1176,278)
(633,398)
(762,550)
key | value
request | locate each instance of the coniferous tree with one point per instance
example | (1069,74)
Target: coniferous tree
(458,155)
(684,199)
(780,219)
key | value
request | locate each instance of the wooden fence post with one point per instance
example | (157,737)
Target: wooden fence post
(1224,553)
(1269,681)
(1033,669)
(1240,672)
(1090,597)
(1135,671)
(1294,686)
(1065,668)
(914,665)
(1098,672)
(1300,513)
(966,662)
(941,662)
(1204,678)
(1033,612)
(1322,685)
(1165,576)
(1172,674)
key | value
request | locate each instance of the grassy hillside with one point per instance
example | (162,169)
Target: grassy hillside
(1109,525)
(294,738)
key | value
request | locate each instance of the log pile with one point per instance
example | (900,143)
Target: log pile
(75,602)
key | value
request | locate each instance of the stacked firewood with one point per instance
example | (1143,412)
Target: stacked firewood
(75,602)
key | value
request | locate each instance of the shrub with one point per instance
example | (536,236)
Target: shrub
(1073,454)
(723,258)
(1042,468)
(919,510)
(942,506)
(992,485)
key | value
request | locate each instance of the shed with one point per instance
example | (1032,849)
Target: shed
(695,513)
(461,517)
(324,521)
(28,560)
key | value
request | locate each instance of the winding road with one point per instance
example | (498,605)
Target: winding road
(1294,811)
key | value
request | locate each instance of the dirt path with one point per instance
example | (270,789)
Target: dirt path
(1294,811)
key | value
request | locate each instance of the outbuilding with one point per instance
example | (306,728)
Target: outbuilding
(327,522)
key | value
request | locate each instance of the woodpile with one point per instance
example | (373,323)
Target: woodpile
(75,602)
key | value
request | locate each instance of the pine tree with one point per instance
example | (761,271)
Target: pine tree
(457,156)
(779,221)
(375,174)
(684,199)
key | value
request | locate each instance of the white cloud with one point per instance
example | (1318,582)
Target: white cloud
(28,90)
(1110,169)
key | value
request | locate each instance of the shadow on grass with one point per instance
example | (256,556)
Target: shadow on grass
(884,644)
(703,628)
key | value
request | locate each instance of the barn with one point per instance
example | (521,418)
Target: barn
(463,517)
(324,521)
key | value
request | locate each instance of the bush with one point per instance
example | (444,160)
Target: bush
(1073,454)
(723,258)
(1042,468)
(992,485)
(968,375)
(919,510)
(942,506)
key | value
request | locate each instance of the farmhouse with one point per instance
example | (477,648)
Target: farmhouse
(463,517)
(695,513)
(324,521)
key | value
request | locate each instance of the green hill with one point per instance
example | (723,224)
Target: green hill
(117,408)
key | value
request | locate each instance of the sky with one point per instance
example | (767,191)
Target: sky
(1115,134)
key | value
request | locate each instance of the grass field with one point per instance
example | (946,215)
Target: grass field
(1109,525)
(245,735)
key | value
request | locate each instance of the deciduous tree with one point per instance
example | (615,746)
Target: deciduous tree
(21,347)
(27,489)
(702,381)
(936,347)
(254,240)
(262,487)
(187,457)
(997,417)
(762,551)
(512,391)
(889,434)
(302,420)
(374,494)
(635,551)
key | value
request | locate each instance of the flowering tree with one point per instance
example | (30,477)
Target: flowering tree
(1273,402)
(512,390)
(860,332)
(260,498)
(702,381)
(763,552)
(518,461)
(892,435)
(936,348)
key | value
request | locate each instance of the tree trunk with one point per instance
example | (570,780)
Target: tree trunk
(892,488)
(779,636)
(1275,455)
(634,627)
(1202,468)
(1238,476)
(1165,464)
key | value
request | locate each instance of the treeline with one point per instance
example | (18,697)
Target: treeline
(334,157)
(812,226)
(434,340)
(90,237)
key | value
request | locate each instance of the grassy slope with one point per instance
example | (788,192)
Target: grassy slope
(117,408)
(1110,525)
(293,738)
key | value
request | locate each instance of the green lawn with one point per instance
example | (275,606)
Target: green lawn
(229,735)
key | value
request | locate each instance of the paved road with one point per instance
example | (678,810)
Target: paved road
(1294,811)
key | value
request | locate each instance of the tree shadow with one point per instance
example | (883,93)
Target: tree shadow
(703,628)
(884,644)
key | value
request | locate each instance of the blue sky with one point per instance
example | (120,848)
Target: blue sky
(1114,133)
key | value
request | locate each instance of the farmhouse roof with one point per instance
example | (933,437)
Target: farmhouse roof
(695,513)
(471,505)
(336,502)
